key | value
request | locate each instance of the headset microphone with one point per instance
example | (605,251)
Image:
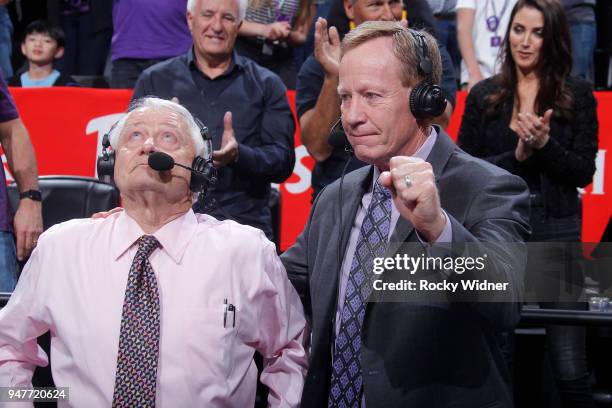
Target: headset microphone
(161,161)
(337,138)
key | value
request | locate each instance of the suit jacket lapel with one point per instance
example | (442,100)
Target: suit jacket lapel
(326,283)
(352,193)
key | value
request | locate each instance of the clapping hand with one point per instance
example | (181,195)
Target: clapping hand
(533,132)
(327,47)
(228,153)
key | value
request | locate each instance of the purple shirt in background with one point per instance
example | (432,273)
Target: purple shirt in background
(150,29)
(71,7)
(7,112)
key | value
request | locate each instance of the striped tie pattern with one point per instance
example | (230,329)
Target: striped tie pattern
(346,381)
(136,375)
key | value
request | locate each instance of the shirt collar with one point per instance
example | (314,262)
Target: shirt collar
(173,237)
(421,153)
(238,61)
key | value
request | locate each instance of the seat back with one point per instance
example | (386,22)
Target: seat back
(274,202)
(68,197)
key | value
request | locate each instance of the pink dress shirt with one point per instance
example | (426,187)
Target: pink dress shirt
(74,286)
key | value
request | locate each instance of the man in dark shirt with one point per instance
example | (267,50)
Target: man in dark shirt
(318,105)
(244,106)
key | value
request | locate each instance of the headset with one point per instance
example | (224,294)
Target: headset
(426,99)
(203,172)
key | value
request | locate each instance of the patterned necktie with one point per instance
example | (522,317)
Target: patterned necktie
(346,380)
(139,337)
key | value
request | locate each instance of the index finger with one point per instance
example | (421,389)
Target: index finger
(321,27)
(20,238)
(397,161)
(387,181)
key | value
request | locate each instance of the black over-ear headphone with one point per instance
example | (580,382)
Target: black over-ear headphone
(203,172)
(426,99)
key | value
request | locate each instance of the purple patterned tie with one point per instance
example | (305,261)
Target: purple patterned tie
(346,381)
(139,337)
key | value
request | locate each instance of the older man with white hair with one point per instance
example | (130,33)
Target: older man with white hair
(155,305)
(244,105)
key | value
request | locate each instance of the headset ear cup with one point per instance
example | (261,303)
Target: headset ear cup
(427,100)
(204,176)
(198,181)
(106,166)
(416,101)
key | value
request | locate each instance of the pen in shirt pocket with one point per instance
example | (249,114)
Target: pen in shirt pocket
(227,309)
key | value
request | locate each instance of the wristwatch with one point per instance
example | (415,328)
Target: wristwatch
(34,195)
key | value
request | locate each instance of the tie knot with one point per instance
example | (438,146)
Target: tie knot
(147,244)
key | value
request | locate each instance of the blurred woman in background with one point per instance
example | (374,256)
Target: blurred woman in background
(536,121)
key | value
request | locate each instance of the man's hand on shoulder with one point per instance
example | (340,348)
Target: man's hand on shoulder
(28,225)
(327,47)
(413,185)
(229,145)
(105,214)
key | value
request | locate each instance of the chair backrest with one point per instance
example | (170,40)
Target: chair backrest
(274,202)
(68,197)
(91,81)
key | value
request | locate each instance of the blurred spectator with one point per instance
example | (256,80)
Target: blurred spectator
(270,31)
(42,44)
(243,105)
(145,33)
(417,12)
(604,36)
(540,123)
(419,15)
(22,13)
(317,100)
(481,27)
(18,234)
(446,28)
(88,27)
(303,51)
(581,18)
(6,42)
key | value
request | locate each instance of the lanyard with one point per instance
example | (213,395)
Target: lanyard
(279,15)
(493,21)
(279,6)
(277,9)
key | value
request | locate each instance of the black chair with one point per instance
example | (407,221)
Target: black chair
(274,202)
(91,81)
(68,197)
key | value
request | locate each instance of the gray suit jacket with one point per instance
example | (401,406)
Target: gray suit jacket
(419,354)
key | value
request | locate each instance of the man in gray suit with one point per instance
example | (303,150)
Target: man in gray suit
(418,188)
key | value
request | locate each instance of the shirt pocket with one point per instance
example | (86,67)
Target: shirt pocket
(211,345)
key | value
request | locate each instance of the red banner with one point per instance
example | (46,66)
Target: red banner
(67,124)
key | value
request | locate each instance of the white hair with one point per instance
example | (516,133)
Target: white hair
(242,7)
(201,148)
